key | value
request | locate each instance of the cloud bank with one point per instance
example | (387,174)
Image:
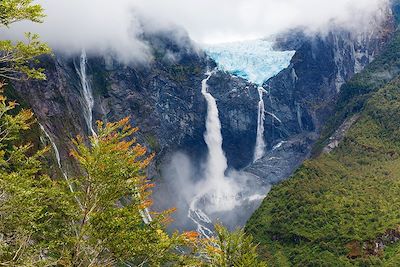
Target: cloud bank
(103,26)
(231,20)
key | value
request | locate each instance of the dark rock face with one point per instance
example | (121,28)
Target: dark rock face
(303,95)
(164,98)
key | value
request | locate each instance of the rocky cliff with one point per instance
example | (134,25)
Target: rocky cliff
(303,96)
(163,97)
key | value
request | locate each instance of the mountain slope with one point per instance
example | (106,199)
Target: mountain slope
(342,208)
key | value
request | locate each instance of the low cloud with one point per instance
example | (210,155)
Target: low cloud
(229,20)
(116,26)
(99,26)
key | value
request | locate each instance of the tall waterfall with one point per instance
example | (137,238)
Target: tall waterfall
(86,92)
(88,105)
(217,192)
(216,162)
(260,142)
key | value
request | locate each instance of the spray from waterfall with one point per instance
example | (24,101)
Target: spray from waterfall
(87,93)
(216,161)
(206,192)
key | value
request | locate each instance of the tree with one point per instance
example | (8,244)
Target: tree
(105,220)
(33,208)
(114,225)
(17,59)
(228,249)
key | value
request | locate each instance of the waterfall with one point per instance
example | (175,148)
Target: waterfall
(58,158)
(216,162)
(57,154)
(87,93)
(88,105)
(217,194)
(260,142)
(256,61)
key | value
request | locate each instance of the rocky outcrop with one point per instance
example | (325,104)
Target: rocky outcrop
(373,247)
(340,133)
(163,97)
(304,95)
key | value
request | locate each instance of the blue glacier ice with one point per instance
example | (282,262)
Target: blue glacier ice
(255,60)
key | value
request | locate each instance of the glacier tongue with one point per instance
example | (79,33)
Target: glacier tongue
(255,60)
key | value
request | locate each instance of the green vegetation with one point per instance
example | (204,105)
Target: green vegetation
(358,90)
(338,206)
(30,206)
(100,217)
(97,218)
(231,249)
(17,59)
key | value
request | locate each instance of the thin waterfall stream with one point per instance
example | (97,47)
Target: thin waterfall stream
(87,93)
(58,158)
(259,149)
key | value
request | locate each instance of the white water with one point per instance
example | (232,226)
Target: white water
(87,93)
(216,162)
(88,105)
(219,193)
(224,191)
(57,154)
(58,158)
(255,61)
(259,149)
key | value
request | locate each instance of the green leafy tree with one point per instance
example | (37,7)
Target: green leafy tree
(114,225)
(17,59)
(33,208)
(228,249)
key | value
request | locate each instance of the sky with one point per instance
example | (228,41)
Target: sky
(103,25)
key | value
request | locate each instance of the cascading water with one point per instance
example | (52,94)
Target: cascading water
(58,158)
(88,105)
(57,154)
(87,93)
(216,162)
(259,149)
(217,191)
(220,194)
(255,61)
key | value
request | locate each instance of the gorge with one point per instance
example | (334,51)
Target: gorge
(263,133)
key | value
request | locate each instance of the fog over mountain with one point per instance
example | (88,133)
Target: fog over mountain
(100,25)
